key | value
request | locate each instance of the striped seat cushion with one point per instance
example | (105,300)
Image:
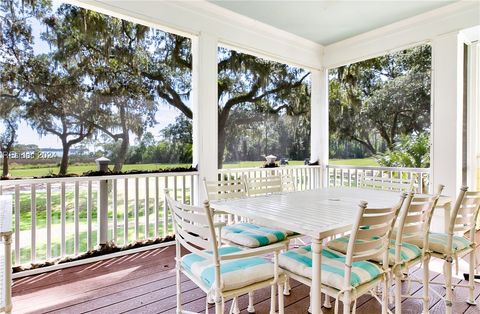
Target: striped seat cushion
(235,273)
(408,252)
(299,261)
(438,242)
(252,235)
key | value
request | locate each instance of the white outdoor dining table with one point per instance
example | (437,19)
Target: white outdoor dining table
(316,213)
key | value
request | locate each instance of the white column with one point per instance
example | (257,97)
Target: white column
(205,110)
(319,119)
(447,115)
(473,116)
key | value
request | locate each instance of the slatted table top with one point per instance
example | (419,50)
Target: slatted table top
(316,213)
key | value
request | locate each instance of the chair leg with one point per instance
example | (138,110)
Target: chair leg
(206,304)
(346,302)
(281,304)
(385,296)
(234,308)
(448,285)
(250,308)
(327,304)
(398,292)
(179,290)
(219,304)
(471,282)
(286,286)
(426,281)
(273,298)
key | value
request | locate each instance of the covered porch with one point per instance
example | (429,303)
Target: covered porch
(142,280)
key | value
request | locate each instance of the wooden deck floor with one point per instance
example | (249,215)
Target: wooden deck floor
(145,283)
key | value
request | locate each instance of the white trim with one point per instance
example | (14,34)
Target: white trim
(190,18)
(403,34)
(473,136)
(90,260)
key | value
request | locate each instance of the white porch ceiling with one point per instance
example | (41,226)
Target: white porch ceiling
(326,22)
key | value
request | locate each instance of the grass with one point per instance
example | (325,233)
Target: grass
(36,171)
(44,170)
(361,162)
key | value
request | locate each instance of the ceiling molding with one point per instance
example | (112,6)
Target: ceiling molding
(406,33)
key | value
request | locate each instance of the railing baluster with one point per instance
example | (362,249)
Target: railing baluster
(136,208)
(147,208)
(191,189)
(76,217)
(184,193)
(48,203)
(125,212)
(114,209)
(17,225)
(63,217)
(165,212)
(89,214)
(175,190)
(157,204)
(33,220)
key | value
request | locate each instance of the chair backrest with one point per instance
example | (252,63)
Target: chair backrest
(221,190)
(414,219)
(194,229)
(465,212)
(263,185)
(389,184)
(371,235)
(288,183)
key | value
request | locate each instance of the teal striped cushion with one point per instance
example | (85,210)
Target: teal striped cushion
(438,242)
(408,252)
(235,273)
(299,261)
(252,235)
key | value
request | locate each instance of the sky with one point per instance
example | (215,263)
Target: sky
(26,135)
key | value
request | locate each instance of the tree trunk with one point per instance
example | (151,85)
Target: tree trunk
(221,146)
(5,171)
(64,161)
(222,124)
(122,153)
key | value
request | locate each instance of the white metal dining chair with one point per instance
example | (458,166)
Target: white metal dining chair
(346,277)
(236,231)
(225,272)
(257,186)
(413,222)
(456,243)
(388,184)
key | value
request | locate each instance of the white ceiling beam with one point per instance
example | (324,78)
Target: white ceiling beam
(190,18)
(403,34)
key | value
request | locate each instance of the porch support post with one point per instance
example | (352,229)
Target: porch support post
(319,120)
(205,110)
(447,115)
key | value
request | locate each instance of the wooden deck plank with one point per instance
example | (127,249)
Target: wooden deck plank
(144,282)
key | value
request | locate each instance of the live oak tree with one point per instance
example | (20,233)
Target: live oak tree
(387,95)
(111,53)
(16,50)
(58,104)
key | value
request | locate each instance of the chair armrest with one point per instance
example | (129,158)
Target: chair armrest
(276,247)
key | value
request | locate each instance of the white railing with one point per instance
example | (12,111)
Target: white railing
(350,176)
(56,217)
(304,177)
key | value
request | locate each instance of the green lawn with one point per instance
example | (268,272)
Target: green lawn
(354,162)
(37,171)
(44,170)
